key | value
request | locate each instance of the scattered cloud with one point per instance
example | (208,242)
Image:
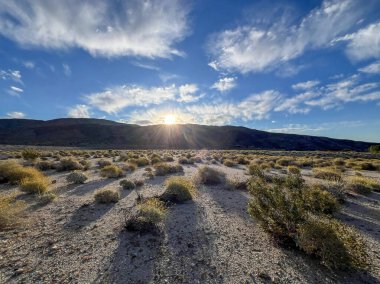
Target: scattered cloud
(79,111)
(66,70)
(255,48)
(130,28)
(29,64)
(146,66)
(14,75)
(15,91)
(117,98)
(364,44)
(373,68)
(15,114)
(225,84)
(305,85)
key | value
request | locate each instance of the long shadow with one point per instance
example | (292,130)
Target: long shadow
(134,259)
(231,201)
(188,248)
(86,214)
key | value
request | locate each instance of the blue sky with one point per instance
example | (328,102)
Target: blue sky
(307,67)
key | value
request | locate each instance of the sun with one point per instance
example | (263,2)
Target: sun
(169,119)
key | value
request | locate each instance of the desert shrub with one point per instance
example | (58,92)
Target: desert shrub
(107,196)
(103,163)
(111,171)
(362,185)
(142,162)
(294,170)
(69,164)
(292,181)
(375,149)
(147,216)
(139,182)
(163,169)
(44,165)
(366,166)
(47,198)
(236,184)
(319,200)
(178,189)
(210,176)
(283,162)
(167,158)
(11,171)
(337,245)
(76,177)
(156,160)
(85,164)
(327,173)
(339,162)
(185,161)
(228,163)
(129,167)
(35,185)
(30,154)
(11,212)
(242,160)
(255,170)
(127,184)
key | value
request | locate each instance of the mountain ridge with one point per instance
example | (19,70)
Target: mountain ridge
(102,133)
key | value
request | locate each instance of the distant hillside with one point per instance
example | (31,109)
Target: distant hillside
(102,133)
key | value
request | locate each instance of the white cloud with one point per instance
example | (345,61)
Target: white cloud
(66,70)
(373,68)
(117,98)
(79,111)
(29,64)
(16,89)
(252,48)
(157,116)
(305,85)
(132,28)
(146,66)
(14,75)
(187,93)
(365,43)
(225,84)
(15,114)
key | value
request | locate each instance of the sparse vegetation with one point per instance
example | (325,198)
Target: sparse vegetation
(362,185)
(127,184)
(107,196)
(111,171)
(30,154)
(163,169)
(76,177)
(35,185)
(69,164)
(327,173)
(11,212)
(178,189)
(210,176)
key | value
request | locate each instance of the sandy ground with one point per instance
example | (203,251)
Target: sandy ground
(211,239)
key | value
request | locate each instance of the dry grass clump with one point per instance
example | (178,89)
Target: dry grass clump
(210,176)
(35,185)
(163,169)
(103,163)
(294,170)
(147,216)
(111,171)
(11,212)
(107,196)
(129,167)
(362,185)
(186,161)
(30,154)
(330,174)
(229,163)
(127,184)
(76,177)
(13,172)
(284,162)
(69,164)
(142,162)
(236,184)
(297,215)
(366,166)
(178,189)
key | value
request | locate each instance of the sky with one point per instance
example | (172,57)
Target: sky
(306,67)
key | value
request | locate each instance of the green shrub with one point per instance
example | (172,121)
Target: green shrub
(210,176)
(107,196)
(76,177)
(148,215)
(327,173)
(127,184)
(178,189)
(111,171)
(69,164)
(11,212)
(30,154)
(318,200)
(337,245)
(163,169)
(374,149)
(255,170)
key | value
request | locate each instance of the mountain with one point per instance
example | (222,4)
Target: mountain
(100,133)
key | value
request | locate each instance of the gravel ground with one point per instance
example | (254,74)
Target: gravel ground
(211,239)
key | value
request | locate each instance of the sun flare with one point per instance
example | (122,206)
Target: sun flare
(169,119)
